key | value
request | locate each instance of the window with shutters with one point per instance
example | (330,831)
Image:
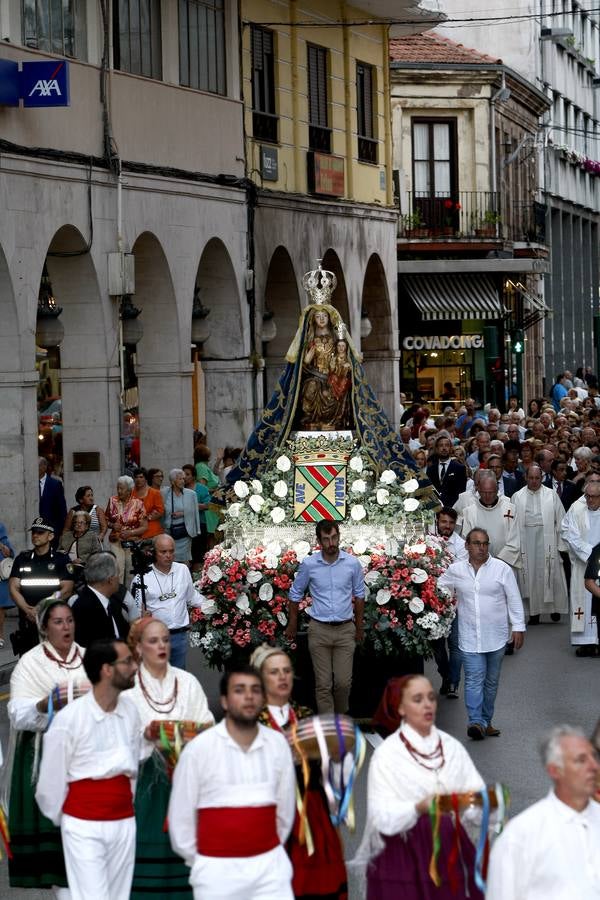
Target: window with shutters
(137,46)
(367,143)
(202,45)
(264,117)
(435,178)
(55,26)
(319,134)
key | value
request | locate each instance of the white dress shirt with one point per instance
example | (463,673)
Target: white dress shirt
(548,852)
(172,610)
(84,741)
(214,771)
(455,544)
(484,599)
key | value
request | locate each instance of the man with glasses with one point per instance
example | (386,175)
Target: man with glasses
(488,599)
(496,516)
(87,777)
(581,532)
(97,610)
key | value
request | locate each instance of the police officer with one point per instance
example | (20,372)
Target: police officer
(36,574)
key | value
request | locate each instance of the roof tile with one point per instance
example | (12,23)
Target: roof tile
(434,48)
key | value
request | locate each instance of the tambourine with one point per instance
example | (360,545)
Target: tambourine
(446,802)
(64,693)
(6,565)
(171,735)
(307,735)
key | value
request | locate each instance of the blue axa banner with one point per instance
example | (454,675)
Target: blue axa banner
(45,83)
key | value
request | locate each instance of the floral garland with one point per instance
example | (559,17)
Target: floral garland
(245,595)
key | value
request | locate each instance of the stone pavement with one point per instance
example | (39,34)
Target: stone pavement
(542,685)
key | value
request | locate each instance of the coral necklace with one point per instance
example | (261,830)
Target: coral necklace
(69,666)
(436,754)
(159,706)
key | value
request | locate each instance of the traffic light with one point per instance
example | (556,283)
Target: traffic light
(518,341)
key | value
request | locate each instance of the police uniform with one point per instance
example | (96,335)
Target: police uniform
(39,576)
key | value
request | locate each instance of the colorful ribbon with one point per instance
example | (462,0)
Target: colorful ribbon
(480,853)
(435,817)
(304,832)
(5,834)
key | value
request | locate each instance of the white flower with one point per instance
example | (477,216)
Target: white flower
(256,502)
(387,477)
(256,486)
(301,549)
(416,605)
(241,489)
(214,573)
(282,618)
(371,577)
(419,576)
(238,551)
(358,512)
(283,464)
(410,486)
(418,548)
(392,547)
(356,464)
(277,514)
(359,486)
(253,576)
(410,504)
(383,496)
(242,603)
(360,545)
(266,592)
(364,561)
(234,509)
(271,561)
(208,606)
(382,596)
(273,548)
(280,488)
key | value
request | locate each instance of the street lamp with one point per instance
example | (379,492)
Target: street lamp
(133,330)
(49,330)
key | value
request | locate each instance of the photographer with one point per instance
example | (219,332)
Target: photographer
(97,610)
(168,593)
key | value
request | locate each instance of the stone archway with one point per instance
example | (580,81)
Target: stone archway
(381,360)
(227,379)
(281,299)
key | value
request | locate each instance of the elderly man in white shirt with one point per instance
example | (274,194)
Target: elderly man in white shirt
(233,801)
(169,590)
(487,600)
(87,776)
(550,851)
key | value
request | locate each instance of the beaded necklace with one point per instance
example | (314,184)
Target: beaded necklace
(438,753)
(61,663)
(159,706)
(293,718)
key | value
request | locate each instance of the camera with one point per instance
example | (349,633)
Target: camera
(142,555)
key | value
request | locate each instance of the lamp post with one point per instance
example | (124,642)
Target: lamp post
(49,330)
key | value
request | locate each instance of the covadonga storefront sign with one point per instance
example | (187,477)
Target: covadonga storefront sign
(443,342)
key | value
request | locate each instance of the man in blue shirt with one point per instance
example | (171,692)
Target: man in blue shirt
(335,581)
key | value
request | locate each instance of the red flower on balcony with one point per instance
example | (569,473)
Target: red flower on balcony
(448,204)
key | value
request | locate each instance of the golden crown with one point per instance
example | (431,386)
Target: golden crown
(319,284)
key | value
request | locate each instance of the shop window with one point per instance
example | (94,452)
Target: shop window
(319,133)
(367,143)
(137,46)
(264,117)
(202,45)
(434,171)
(55,27)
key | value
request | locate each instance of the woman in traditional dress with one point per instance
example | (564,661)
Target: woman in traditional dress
(161,692)
(413,764)
(127,521)
(322,874)
(56,662)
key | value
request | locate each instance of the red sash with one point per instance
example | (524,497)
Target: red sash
(237,830)
(100,800)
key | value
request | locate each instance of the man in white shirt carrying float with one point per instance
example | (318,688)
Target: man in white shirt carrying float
(488,599)
(87,776)
(550,851)
(233,801)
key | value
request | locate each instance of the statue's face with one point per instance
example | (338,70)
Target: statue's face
(321,318)
(341,348)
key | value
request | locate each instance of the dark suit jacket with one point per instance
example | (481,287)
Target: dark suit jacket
(512,485)
(455,481)
(53,506)
(570,493)
(92,622)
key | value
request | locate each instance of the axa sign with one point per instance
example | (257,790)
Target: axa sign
(45,83)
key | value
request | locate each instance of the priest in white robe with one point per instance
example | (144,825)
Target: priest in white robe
(581,532)
(496,516)
(539,513)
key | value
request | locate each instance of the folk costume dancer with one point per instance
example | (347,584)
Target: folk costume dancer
(233,801)
(160,692)
(87,777)
(55,663)
(539,514)
(321,873)
(412,765)
(581,532)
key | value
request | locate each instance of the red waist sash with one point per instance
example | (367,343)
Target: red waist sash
(237,830)
(100,800)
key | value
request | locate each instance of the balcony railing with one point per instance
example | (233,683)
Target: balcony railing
(470,215)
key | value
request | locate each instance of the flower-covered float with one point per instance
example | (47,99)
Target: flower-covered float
(324,449)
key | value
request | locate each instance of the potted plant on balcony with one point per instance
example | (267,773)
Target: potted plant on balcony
(486,227)
(449,224)
(413,225)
